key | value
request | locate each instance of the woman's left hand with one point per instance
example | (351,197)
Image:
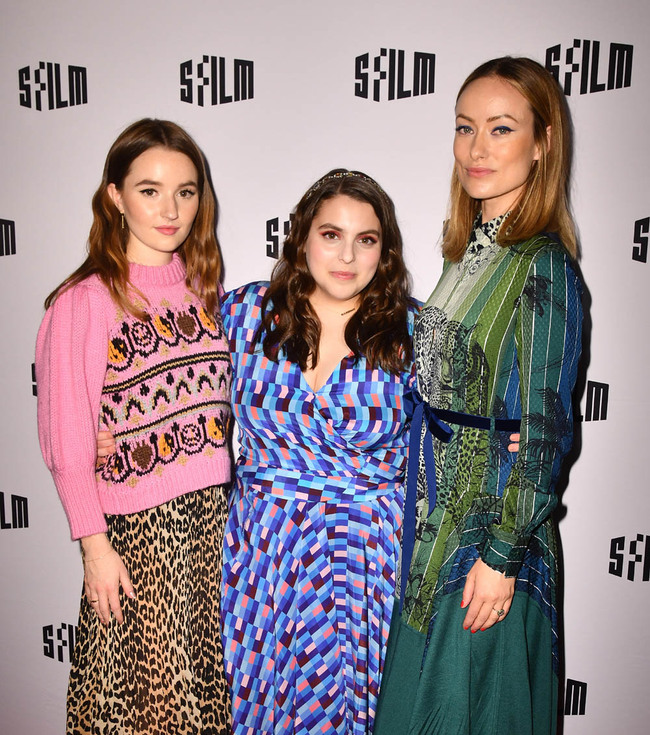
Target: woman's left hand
(489,594)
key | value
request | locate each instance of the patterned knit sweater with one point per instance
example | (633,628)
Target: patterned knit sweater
(162,387)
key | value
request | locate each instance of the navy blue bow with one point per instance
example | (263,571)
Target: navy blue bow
(419,411)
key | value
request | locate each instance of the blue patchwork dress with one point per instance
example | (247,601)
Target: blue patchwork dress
(312,536)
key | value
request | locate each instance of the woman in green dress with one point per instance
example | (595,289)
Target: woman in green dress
(473,648)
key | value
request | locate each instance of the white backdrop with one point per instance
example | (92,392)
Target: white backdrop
(301,120)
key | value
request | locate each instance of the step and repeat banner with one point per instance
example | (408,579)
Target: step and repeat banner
(277,94)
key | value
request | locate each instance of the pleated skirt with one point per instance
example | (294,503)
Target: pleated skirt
(499,681)
(162,670)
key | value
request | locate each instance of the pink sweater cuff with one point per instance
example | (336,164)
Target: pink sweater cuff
(78,491)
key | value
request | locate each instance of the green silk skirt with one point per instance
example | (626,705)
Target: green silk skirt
(494,682)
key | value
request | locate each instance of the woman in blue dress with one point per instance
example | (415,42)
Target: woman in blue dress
(322,358)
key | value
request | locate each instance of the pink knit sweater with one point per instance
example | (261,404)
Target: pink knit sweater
(161,387)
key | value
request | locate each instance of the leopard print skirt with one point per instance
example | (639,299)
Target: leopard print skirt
(162,670)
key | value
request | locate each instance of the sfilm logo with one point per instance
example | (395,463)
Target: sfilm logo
(46,84)
(390,71)
(584,57)
(273,235)
(213,81)
(7,237)
(638,558)
(15,514)
(575,698)
(641,229)
(597,401)
(60,644)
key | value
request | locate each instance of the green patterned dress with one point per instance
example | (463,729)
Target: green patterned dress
(500,338)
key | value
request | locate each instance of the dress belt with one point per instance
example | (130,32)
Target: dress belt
(434,419)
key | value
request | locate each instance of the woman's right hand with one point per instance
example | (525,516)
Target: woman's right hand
(104,572)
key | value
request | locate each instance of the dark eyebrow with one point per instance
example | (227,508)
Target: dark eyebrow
(490,119)
(338,228)
(149,182)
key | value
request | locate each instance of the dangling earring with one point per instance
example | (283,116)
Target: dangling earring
(122,217)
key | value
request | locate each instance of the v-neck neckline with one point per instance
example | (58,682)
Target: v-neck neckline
(337,369)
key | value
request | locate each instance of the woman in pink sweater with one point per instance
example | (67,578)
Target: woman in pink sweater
(133,342)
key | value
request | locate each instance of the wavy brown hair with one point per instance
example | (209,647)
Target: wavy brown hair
(107,239)
(378,330)
(543,205)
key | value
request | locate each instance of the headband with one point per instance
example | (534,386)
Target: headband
(342,175)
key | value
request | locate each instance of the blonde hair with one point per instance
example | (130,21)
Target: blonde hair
(543,205)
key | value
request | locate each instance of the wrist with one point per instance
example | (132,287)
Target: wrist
(94,546)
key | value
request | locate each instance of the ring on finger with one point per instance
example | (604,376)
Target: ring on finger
(92,602)
(500,613)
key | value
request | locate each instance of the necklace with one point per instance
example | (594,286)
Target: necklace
(332,309)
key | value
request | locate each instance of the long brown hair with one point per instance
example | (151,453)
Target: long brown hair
(543,204)
(108,239)
(379,328)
